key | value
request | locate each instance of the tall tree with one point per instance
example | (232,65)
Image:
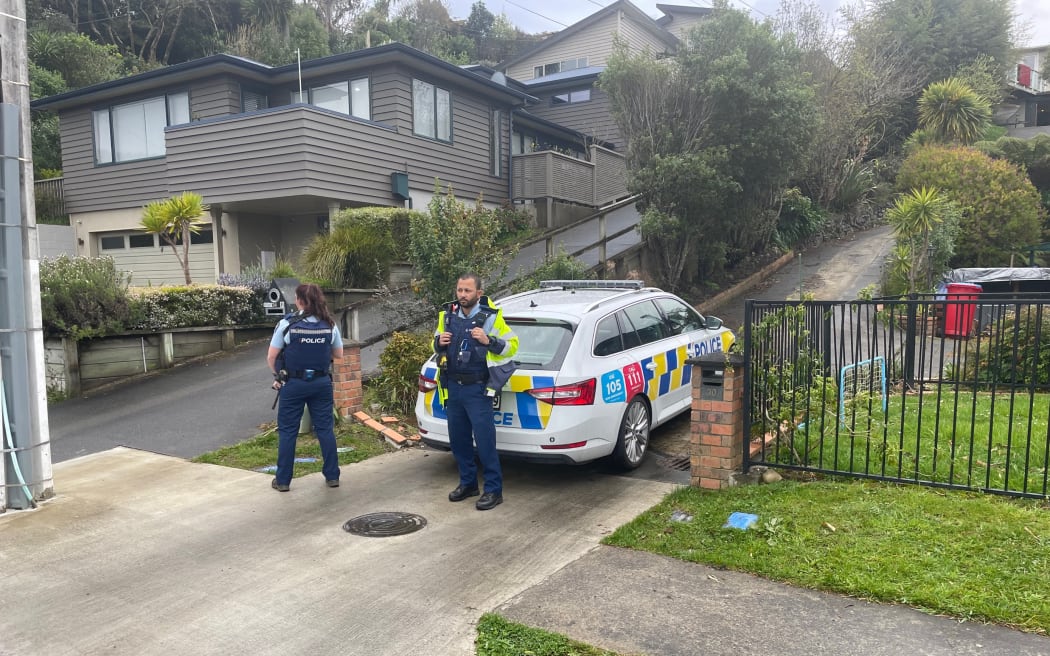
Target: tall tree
(713,134)
(933,38)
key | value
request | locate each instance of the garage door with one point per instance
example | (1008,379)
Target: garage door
(149,263)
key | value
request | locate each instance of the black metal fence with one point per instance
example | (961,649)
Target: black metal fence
(951,393)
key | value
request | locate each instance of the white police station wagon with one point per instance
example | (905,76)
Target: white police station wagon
(600,362)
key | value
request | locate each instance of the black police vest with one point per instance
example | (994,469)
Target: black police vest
(470,360)
(309,346)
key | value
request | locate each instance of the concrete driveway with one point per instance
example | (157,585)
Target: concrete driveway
(149,554)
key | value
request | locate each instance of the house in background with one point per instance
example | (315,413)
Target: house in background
(1026,112)
(276,151)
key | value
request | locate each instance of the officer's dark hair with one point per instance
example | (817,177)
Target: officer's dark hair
(311,301)
(471,276)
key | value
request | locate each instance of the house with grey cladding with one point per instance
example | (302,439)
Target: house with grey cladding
(276,151)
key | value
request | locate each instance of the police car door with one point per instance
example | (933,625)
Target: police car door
(690,338)
(658,355)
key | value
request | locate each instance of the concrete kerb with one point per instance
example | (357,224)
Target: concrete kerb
(747,283)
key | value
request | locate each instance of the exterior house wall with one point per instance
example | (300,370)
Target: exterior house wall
(55,240)
(90,188)
(592,117)
(595,42)
(681,24)
(215,96)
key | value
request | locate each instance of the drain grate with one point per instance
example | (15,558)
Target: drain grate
(678,463)
(384,524)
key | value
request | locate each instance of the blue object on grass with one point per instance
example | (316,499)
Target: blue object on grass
(268,469)
(742,521)
(306,459)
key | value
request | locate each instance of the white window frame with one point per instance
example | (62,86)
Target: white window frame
(351,97)
(572,97)
(429,102)
(135,131)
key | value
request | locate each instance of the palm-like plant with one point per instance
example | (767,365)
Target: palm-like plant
(914,216)
(176,219)
(952,111)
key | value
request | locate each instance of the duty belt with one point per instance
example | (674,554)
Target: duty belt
(468,379)
(307,374)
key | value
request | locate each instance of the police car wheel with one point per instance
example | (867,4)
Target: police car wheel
(633,440)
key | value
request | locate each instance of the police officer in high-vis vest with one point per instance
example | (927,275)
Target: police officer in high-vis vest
(475,348)
(300,356)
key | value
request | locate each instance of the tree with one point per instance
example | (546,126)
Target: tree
(1000,210)
(914,217)
(952,112)
(713,134)
(931,39)
(175,220)
(451,239)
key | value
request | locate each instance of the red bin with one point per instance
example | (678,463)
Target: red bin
(958,317)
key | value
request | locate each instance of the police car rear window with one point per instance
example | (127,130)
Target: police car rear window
(541,344)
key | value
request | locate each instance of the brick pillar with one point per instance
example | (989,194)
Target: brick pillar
(717,434)
(346,380)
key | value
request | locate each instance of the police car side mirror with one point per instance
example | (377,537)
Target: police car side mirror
(712,323)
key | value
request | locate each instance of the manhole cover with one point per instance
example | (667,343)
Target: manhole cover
(384,524)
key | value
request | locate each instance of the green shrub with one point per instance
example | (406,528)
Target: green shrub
(352,255)
(450,240)
(163,308)
(1000,209)
(800,218)
(1018,353)
(83,297)
(389,221)
(512,223)
(401,361)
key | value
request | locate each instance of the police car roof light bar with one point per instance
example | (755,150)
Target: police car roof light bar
(593,284)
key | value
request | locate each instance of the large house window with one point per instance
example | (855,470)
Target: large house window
(252,101)
(559,67)
(136,130)
(431,111)
(570,97)
(344,97)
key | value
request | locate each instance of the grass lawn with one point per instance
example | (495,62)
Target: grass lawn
(357,442)
(973,440)
(971,556)
(498,637)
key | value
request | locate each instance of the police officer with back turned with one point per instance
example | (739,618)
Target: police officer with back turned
(300,356)
(474,347)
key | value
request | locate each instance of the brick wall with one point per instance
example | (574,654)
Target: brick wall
(717,434)
(346,380)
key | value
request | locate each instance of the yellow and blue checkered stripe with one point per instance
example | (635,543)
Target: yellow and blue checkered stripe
(529,412)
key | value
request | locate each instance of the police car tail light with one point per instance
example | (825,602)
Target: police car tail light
(427,384)
(581,393)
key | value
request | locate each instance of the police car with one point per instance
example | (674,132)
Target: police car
(600,363)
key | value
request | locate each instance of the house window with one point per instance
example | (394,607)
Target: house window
(559,67)
(141,241)
(112,243)
(496,142)
(344,97)
(571,97)
(252,101)
(136,130)
(431,111)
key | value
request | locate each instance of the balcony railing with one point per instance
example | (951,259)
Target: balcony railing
(50,202)
(548,174)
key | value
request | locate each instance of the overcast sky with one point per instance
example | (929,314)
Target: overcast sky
(551,15)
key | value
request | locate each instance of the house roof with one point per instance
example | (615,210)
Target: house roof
(175,74)
(620,5)
(555,79)
(670,11)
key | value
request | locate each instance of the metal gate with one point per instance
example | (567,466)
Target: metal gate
(951,393)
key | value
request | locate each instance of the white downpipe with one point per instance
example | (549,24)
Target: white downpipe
(9,448)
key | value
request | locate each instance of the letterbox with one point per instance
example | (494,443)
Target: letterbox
(280,300)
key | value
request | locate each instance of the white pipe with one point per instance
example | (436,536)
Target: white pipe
(142,340)
(9,441)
